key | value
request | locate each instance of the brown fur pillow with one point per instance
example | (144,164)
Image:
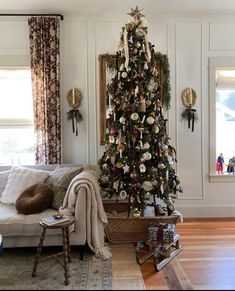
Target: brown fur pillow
(34,199)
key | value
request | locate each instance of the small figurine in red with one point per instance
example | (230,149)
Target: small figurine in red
(220,164)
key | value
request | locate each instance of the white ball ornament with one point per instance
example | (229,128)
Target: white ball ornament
(147,156)
(134,116)
(150,120)
(123,194)
(122,119)
(124,74)
(146,145)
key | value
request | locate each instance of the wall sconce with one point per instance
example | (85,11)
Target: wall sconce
(74,98)
(189,98)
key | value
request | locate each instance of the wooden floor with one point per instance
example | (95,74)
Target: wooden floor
(206,262)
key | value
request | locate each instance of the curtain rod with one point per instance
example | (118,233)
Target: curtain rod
(25,14)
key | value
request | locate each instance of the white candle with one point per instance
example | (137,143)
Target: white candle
(73,96)
(190,97)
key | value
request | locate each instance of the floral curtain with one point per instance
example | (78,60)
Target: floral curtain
(44,38)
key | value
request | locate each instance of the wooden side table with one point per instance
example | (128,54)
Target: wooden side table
(64,226)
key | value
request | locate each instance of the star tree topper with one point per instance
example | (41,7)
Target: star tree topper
(135,13)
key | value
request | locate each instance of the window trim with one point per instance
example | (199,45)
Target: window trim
(214,64)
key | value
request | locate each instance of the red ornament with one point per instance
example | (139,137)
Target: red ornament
(135,132)
(134,175)
(112,130)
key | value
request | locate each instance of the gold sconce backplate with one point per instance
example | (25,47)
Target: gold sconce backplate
(189,97)
(74,97)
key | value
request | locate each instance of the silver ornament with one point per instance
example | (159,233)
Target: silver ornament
(147,185)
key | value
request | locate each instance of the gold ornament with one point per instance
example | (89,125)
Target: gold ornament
(119,165)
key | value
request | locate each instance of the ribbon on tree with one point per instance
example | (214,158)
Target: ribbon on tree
(148,53)
(126,49)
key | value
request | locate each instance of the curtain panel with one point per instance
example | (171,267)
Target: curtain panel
(44,36)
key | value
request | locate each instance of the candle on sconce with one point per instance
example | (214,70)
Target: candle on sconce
(73,96)
(190,96)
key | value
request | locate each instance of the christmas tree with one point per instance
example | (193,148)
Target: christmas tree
(138,160)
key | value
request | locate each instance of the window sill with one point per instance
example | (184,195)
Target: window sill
(222,178)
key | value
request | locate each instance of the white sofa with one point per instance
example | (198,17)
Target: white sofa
(19,230)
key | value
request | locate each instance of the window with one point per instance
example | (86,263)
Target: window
(16,117)
(222,116)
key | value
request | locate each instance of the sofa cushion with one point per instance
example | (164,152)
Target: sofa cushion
(3,180)
(19,179)
(59,180)
(34,199)
(15,224)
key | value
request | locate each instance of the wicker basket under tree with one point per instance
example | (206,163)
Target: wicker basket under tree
(138,160)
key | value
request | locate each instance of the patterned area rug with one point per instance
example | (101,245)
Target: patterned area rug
(16,268)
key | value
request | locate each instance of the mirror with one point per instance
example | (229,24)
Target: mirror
(106,73)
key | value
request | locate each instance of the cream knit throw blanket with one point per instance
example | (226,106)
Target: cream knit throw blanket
(95,215)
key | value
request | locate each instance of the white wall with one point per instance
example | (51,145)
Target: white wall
(189,42)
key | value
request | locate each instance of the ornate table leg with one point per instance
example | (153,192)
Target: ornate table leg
(39,250)
(65,246)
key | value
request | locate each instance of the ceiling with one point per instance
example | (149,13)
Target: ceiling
(150,7)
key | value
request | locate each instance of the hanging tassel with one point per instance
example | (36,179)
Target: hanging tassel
(193,118)
(73,127)
(192,121)
(189,117)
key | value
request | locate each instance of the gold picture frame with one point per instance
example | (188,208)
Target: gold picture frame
(105,76)
(104,79)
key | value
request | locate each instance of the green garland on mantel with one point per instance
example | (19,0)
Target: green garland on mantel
(162,63)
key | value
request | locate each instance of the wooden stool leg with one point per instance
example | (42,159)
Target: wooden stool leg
(65,247)
(39,250)
(68,244)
